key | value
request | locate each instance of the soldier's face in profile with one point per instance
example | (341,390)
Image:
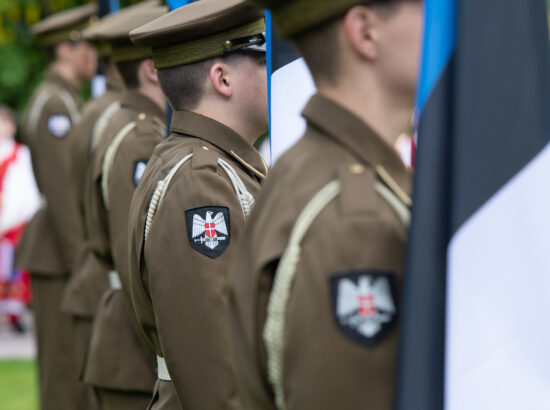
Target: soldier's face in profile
(84,59)
(400,43)
(252,86)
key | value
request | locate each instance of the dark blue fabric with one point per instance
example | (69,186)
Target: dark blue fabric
(484,107)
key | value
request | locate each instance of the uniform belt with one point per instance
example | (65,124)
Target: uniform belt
(114,280)
(162,370)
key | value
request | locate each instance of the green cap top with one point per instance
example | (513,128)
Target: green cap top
(293,17)
(66,25)
(202,30)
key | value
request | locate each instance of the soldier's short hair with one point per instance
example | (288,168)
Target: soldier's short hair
(129,71)
(184,85)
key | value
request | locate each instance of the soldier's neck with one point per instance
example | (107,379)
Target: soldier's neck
(154,93)
(66,71)
(383,112)
(232,116)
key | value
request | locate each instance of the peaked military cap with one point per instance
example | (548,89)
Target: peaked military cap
(115,30)
(66,25)
(203,30)
(293,17)
(93,33)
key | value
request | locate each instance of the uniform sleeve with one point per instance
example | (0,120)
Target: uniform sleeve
(249,300)
(79,138)
(340,332)
(55,147)
(128,167)
(188,253)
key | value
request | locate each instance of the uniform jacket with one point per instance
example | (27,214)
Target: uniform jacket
(51,241)
(179,274)
(338,340)
(119,356)
(89,279)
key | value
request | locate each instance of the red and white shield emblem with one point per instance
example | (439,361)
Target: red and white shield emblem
(208,229)
(364,305)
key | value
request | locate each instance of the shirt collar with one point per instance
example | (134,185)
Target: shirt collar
(214,132)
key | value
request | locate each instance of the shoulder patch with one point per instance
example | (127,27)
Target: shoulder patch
(59,125)
(209,229)
(139,169)
(363,305)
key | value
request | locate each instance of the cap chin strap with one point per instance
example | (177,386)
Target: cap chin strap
(256,42)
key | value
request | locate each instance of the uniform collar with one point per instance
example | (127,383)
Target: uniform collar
(134,100)
(53,77)
(214,132)
(349,131)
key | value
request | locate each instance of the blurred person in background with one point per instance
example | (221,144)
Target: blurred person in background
(53,239)
(19,200)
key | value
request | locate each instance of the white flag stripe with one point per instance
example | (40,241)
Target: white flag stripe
(291,88)
(498,299)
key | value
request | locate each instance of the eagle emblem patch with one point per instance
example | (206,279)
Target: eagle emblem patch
(59,125)
(209,229)
(363,305)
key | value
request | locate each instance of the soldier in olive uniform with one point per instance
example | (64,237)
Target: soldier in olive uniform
(51,242)
(88,279)
(120,363)
(189,210)
(316,287)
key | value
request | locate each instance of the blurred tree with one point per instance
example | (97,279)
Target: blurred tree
(21,60)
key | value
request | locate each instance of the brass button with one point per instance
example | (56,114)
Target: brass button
(142,116)
(206,148)
(356,169)
(228,44)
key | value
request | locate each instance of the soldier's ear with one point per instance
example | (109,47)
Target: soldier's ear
(219,78)
(149,72)
(361,26)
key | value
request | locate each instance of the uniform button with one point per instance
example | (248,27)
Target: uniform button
(228,44)
(205,148)
(142,116)
(356,169)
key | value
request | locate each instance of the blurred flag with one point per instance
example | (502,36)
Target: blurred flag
(176,4)
(475,331)
(104,8)
(290,87)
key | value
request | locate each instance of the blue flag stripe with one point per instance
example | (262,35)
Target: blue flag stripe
(114,6)
(439,45)
(176,4)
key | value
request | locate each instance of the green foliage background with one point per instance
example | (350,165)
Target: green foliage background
(21,60)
